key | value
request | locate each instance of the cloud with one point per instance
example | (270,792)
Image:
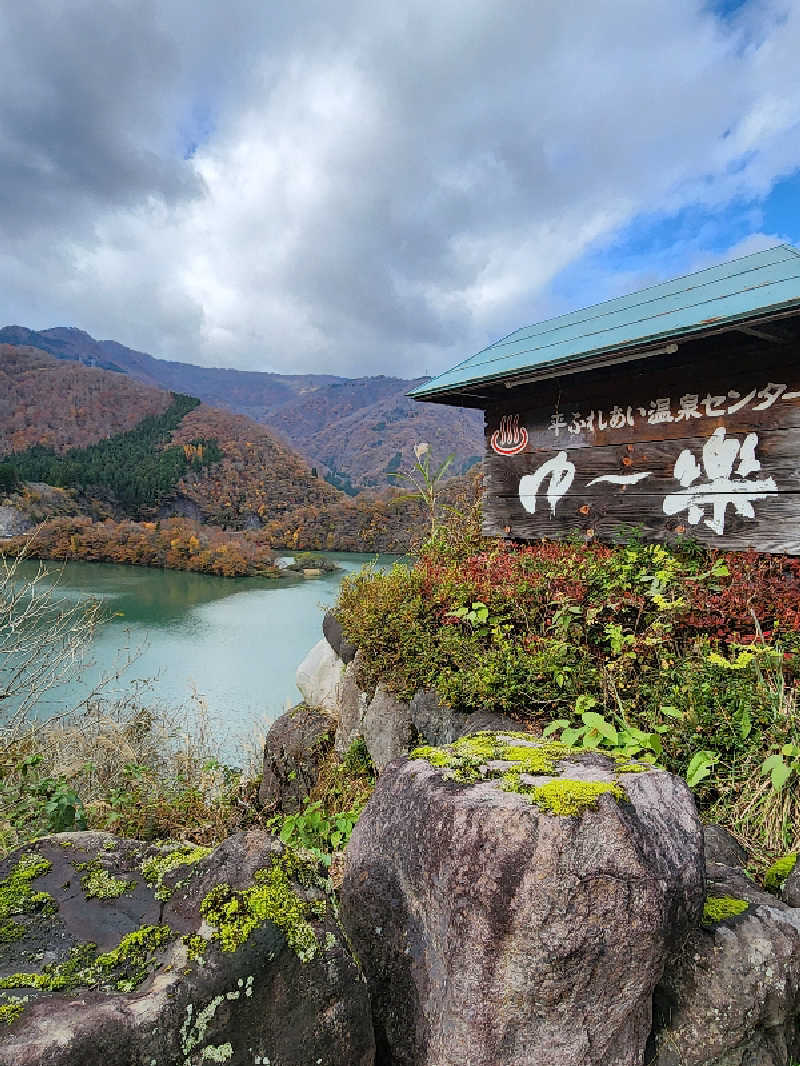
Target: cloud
(366,188)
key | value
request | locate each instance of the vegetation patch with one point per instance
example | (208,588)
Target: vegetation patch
(17,896)
(124,968)
(564,796)
(11,1008)
(676,654)
(720,908)
(777,874)
(98,883)
(235,915)
(156,869)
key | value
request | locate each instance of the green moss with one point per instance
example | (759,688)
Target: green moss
(17,896)
(779,871)
(124,968)
(100,884)
(719,908)
(564,796)
(156,869)
(12,1008)
(466,760)
(235,915)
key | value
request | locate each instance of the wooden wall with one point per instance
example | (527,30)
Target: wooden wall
(705,443)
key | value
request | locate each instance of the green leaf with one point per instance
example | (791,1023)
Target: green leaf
(595,721)
(700,767)
(559,723)
(584,702)
(745,723)
(780,775)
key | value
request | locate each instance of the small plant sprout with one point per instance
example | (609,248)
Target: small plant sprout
(424,480)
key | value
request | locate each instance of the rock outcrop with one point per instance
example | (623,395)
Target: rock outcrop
(115,953)
(295,747)
(731,995)
(515,903)
(319,677)
(332,630)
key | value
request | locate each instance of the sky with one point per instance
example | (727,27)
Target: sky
(364,188)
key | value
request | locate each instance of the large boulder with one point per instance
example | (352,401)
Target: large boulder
(295,747)
(791,888)
(493,929)
(115,953)
(722,848)
(319,677)
(731,996)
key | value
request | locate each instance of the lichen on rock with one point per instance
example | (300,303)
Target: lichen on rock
(234,915)
(17,896)
(155,869)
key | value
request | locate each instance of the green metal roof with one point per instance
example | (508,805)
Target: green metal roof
(707,301)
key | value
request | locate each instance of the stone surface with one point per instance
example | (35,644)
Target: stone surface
(353,705)
(434,723)
(722,848)
(479,721)
(790,894)
(387,728)
(731,996)
(494,933)
(336,638)
(13,522)
(258,1003)
(319,676)
(295,747)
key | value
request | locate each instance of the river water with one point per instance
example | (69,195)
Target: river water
(232,643)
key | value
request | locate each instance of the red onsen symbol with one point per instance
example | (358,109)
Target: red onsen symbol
(510,438)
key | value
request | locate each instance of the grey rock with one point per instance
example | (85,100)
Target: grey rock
(722,848)
(332,629)
(434,723)
(259,1002)
(493,933)
(13,522)
(790,893)
(319,676)
(480,721)
(353,705)
(387,727)
(295,747)
(731,996)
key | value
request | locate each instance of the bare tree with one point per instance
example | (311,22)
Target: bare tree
(44,639)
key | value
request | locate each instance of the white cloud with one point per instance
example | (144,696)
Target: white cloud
(377,188)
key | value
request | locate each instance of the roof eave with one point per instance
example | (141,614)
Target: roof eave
(641,348)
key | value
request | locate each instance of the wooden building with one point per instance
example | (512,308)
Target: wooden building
(675,409)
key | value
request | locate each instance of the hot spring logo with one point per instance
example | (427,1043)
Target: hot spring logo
(510,438)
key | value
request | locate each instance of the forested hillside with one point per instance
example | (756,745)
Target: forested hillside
(180,460)
(65,405)
(354,430)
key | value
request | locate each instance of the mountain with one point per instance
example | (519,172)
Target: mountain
(142,451)
(118,450)
(355,430)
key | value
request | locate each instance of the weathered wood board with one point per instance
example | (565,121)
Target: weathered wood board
(708,449)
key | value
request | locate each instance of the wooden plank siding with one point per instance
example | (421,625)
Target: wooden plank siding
(596,452)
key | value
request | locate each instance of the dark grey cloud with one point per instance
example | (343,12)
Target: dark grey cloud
(361,187)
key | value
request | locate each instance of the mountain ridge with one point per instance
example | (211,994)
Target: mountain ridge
(339,425)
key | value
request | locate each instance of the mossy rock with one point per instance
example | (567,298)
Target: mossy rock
(126,952)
